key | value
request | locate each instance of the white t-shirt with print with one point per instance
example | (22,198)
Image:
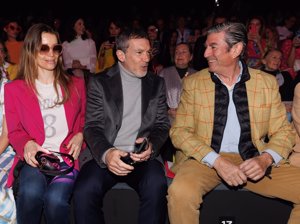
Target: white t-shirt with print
(54,117)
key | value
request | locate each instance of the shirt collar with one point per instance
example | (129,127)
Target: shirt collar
(238,79)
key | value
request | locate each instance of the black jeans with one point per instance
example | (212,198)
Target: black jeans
(148,179)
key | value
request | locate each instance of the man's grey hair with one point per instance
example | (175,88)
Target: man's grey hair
(234,33)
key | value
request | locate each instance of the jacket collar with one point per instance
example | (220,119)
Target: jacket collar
(244,77)
(115,86)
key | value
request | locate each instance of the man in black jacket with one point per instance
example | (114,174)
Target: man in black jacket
(125,105)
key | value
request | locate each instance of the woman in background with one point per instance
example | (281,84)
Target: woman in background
(7,69)
(271,64)
(106,56)
(173,76)
(13,41)
(256,45)
(79,52)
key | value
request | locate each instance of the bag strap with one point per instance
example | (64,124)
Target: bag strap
(60,172)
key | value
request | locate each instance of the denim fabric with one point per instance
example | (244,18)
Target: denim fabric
(39,193)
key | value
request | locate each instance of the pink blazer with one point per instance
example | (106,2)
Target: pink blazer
(25,122)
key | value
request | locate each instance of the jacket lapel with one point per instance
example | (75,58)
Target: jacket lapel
(147,87)
(114,87)
(33,108)
(68,109)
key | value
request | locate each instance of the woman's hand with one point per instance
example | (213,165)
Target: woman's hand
(75,145)
(254,37)
(77,65)
(107,45)
(30,149)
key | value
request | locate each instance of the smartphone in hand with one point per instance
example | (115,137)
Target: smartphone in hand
(141,147)
(138,148)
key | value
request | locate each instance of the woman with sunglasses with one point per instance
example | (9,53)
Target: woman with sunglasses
(13,40)
(45,109)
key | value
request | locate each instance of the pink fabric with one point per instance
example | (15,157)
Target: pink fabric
(286,49)
(25,122)
(255,53)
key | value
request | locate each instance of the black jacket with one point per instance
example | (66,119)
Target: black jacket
(105,109)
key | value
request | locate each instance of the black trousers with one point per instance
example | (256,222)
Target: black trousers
(148,180)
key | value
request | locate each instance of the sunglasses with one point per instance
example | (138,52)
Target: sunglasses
(13,28)
(56,49)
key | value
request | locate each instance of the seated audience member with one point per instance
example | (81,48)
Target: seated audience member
(173,77)
(168,48)
(155,64)
(79,51)
(285,30)
(13,41)
(291,55)
(126,105)
(223,116)
(7,69)
(256,45)
(271,36)
(7,201)
(295,155)
(271,63)
(106,56)
(182,29)
(45,109)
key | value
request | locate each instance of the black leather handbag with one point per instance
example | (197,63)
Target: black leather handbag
(49,164)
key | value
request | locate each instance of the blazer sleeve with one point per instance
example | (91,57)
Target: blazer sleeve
(67,57)
(82,106)
(18,137)
(77,104)
(95,120)
(160,131)
(296,108)
(185,133)
(280,131)
(93,56)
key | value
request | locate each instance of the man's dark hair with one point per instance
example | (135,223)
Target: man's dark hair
(126,35)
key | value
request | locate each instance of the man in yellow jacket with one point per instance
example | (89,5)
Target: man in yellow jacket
(230,126)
